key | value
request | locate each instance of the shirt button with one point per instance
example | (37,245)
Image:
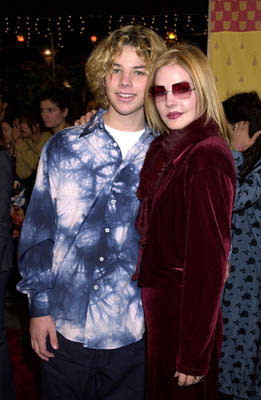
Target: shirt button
(95,287)
(107,230)
(101,259)
(113,201)
(115,144)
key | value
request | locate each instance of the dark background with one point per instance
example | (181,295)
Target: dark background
(25,72)
(52,8)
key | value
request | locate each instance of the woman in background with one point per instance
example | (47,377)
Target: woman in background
(29,141)
(240,363)
(186,193)
(54,106)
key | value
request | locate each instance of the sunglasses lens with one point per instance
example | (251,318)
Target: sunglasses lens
(181,90)
(157,91)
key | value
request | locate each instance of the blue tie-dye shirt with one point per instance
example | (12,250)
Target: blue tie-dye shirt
(78,246)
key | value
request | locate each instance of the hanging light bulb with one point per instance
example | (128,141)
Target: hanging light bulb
(94,38)
(20,38)
(171,36)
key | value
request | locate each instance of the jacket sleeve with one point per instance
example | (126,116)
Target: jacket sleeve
(28,155)
(36,242)
(6,185)
(26,160)
(209,201)
(249,191)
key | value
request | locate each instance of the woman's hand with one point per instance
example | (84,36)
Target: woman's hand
(187,380)
(239,135)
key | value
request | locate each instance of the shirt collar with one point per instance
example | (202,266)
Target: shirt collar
(96,122)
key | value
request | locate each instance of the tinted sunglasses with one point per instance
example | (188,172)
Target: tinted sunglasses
(181,90)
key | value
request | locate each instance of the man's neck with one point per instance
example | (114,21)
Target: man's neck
(124,122)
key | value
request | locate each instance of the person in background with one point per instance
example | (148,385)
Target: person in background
(54,105)
(7,390)
(29,141)
(240,363)
(8,135)
(79,247)
(18,200)
(186,195)
(3,104)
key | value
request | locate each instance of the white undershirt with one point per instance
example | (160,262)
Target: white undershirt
(124,139)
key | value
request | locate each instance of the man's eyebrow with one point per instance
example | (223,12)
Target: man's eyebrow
(140,66)
(134,66)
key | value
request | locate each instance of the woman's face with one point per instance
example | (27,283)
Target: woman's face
(53,117)
(7,132)
(25,129)
(177,110)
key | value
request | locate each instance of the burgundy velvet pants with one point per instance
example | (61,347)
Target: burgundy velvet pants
(162,309)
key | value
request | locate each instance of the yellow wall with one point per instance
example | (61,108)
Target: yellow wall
(234,46)
(235,58)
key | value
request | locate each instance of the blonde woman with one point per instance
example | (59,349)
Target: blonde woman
(186,193)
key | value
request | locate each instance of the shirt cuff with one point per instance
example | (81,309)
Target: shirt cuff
(39,305)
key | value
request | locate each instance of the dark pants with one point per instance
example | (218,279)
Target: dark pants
(7,391)
(78,373)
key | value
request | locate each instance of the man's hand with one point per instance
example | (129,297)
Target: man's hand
(187,380)
(85,118)
(40,328)
(36,134)
(239,135)
(16,132)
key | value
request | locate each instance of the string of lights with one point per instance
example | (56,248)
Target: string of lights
(32,29)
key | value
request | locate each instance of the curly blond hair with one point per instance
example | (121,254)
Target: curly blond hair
(148,44)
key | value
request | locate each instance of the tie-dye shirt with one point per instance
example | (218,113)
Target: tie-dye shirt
(78,246)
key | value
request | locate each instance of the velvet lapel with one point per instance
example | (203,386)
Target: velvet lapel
(165,149)
(160,158)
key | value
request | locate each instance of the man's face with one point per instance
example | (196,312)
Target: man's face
(125,84)
(2,106)
(7,132)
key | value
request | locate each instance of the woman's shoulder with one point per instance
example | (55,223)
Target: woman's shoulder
(46,134)
(212,146)
(212,152)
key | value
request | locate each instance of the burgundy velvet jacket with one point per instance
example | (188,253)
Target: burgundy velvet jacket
(187,193)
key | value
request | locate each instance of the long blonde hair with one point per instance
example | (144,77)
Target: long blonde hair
(192,59)
(148,44)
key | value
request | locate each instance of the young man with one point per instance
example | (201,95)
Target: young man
(79,247)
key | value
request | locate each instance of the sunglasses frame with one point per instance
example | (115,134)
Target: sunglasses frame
(179,94)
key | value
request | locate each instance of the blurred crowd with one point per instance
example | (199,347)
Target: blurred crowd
(23,134)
